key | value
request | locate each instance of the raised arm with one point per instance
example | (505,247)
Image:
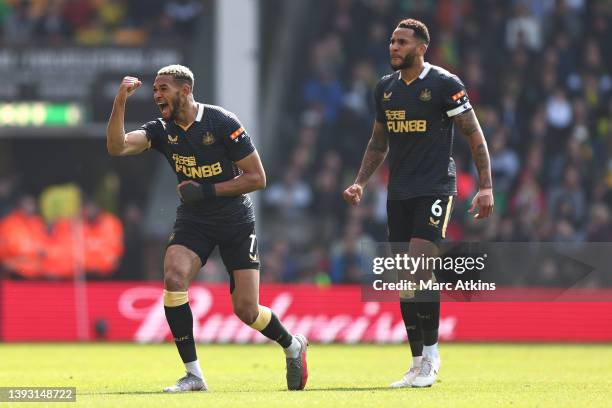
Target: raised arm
(375,154)
(118,143)
(470,129)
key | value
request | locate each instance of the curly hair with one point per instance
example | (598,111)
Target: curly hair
(420,30)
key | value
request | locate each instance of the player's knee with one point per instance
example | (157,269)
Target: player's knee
(247,312)
(176,274)
(175,280)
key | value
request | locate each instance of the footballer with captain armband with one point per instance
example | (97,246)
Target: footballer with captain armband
(417,107)
(216,166)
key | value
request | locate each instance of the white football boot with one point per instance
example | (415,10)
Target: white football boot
(429,372)
(407,379)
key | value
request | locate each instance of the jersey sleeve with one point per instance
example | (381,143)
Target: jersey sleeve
(235,138)
(378,94)
(456,100)
(154,131)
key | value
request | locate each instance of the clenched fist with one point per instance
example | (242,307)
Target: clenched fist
(128,86)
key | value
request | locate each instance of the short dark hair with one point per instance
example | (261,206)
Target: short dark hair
(420,29)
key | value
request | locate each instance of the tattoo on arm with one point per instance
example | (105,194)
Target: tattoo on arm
(470,128)
(468,124)
(374,155)
(483,164)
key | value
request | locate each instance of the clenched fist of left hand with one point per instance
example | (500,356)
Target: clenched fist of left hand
(191,192)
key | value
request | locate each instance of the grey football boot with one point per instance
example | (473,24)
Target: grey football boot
(189,382)
(297,369)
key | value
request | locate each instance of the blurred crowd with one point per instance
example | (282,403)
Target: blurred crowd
(96,22)
(60,235)
(538,75)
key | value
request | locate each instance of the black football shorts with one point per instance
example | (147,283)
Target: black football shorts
(237,243)
(421,217)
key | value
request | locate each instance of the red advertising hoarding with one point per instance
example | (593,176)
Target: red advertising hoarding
(40,311)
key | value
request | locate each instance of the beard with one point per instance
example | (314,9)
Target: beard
(176,106)
(406,63)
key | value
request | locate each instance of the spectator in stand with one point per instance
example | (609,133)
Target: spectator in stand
(376,46)
(132,263)
(528,200)
(567,201)
(565,231)
(559,110)
(376,205)
(600,225)
(504,162)
(280,266)
(61,259)
(291,197)
(323,91)
(325,203)
(326,183)
(77,15)
(307,143)
(347,254)
(575,155)
(103,240)
(19,24)
(358,95)
(51,24)
(314,266)
(523,30)
(23,240)
(564,16)
(505,231)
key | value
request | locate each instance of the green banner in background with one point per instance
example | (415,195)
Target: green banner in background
(41,114)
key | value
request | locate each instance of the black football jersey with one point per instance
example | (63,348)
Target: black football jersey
(418,120)
(205,152)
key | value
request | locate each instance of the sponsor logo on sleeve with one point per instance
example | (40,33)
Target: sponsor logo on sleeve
(238,134)
(458,95)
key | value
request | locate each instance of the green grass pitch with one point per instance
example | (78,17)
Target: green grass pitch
(472,375)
